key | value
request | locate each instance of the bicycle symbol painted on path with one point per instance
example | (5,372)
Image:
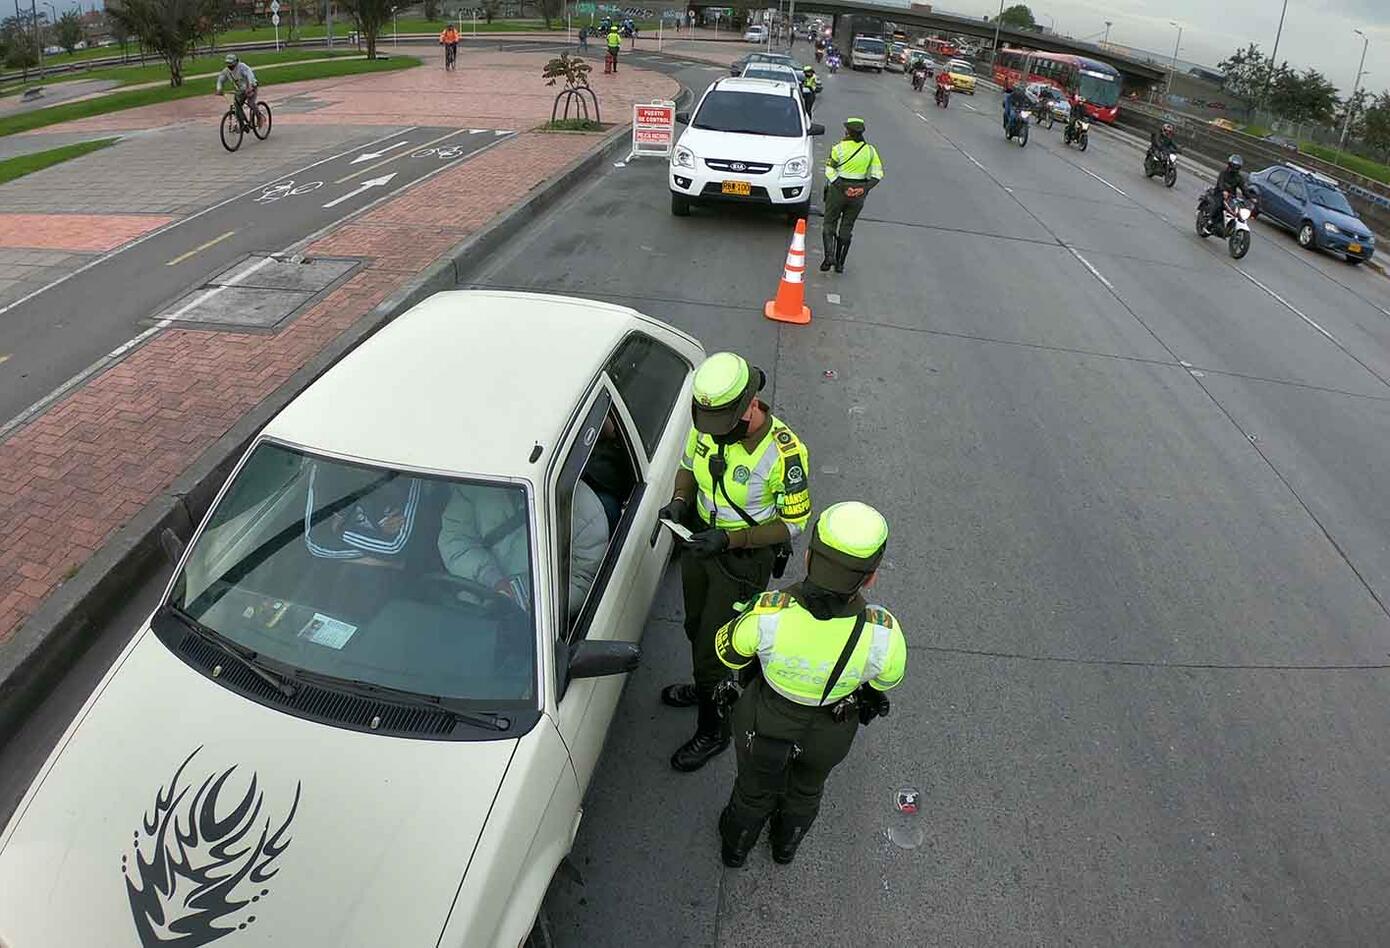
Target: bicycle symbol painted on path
(284,189)
(442,152)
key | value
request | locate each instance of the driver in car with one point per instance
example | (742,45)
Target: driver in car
(484,537)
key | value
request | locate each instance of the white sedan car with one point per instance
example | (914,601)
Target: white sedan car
(371,700)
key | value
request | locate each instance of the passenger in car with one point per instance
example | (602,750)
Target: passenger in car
(364,518)
(484,537)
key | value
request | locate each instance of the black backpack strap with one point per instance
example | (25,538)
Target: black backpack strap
(845,653)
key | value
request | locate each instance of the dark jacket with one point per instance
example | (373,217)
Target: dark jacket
(1229,180)
(1161,143)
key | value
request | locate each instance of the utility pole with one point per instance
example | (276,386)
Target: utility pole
(997,23)
(1105,43)
(1351,104)
(1173,66)
(328,5)
(1264,96)
(38,36)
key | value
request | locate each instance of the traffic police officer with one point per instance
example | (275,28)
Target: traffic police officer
(810,85)
(852,170)
(615,43)
(743,485)
(826,660)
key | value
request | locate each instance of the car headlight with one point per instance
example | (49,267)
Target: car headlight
(1330,227)
(683,157)
(796,168)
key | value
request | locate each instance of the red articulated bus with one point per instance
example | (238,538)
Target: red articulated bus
(1098,82)
(941,47)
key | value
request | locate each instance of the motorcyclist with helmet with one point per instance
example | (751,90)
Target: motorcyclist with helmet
(1016,99)
(1074,120)
(1230,181)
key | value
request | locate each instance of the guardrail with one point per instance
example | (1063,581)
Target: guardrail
(103,62)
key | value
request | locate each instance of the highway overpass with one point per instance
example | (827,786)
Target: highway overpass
(1137,74)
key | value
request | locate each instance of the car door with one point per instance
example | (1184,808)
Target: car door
(1295,197)
(1272,197)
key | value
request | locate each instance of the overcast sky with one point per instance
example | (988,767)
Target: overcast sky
(1317,33)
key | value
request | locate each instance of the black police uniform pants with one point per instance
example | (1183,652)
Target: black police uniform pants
(771,781)
(711,585)
(840,214)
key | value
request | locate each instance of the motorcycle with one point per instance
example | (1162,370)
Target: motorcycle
(1162,164)
(1077,133)
(919,79)
(833,62)
(943,96)
(1236,215)
(1019,127)
(1043,113)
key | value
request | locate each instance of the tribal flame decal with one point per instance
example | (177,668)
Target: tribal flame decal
(202,866)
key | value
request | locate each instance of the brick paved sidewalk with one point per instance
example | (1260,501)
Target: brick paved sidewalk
(89,464)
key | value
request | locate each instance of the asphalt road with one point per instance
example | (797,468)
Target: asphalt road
(67,328)
(1137,547)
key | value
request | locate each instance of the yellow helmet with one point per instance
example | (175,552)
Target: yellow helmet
(847,545)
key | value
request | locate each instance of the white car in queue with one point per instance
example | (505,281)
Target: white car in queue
(371,700)
(748,141)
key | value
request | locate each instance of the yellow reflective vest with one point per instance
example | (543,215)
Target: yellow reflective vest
(853,161)
(798,652)
(770,482)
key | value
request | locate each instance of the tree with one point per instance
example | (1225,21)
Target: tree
(550,10)
(431,10)
(171,29)
(1356,106)
(120,34)
(490,9)
(1018,17)
(370,16)
(1375,125)
(18,46)
(1247,71)
(1303,98)
(69,30)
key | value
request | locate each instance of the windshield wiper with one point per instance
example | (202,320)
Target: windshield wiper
(248,657)
(483,719)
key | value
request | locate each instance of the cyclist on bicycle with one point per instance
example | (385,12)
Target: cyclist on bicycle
(449,39)
(243,81)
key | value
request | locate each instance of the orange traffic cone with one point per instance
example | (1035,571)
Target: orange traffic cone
(789,306)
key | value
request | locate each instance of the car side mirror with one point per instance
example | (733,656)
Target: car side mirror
(683,118)
(172,546)
(816,129)
(589,659)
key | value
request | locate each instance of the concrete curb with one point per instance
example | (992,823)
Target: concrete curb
(54,637)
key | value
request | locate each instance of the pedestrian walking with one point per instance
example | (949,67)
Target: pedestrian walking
(615,43)
(852,169)
(743,487)
(825,660)
(583,37)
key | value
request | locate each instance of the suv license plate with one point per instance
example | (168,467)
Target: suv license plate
(1353,248)
(741,188)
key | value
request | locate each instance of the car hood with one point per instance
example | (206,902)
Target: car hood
(765,148)
(177,812)
(1346,222)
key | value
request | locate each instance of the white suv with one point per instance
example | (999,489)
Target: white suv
(749,141)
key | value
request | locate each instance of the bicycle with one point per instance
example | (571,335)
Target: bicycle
(451,55)
(233,129)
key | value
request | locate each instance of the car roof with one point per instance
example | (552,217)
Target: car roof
(1312,175)
(464,382)
(752,85)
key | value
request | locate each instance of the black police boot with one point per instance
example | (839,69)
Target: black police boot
(828,242)
(786,835)
(710,740)
(841,252)
(737,837)
(682,695)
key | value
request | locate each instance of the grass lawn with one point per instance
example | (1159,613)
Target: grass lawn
(12,168)
(118,101)
(157,71)
(1371,169)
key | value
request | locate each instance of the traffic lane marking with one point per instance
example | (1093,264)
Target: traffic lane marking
(399,155)
(1089,266)
(199,249)
(1287,305)
(1103,181)
(168,227)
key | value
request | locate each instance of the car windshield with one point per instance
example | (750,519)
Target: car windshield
(1331,199)
(873,47)
(769,72)
(372,575)
(1098,89)
(750,113)
(776,58)
(963,69)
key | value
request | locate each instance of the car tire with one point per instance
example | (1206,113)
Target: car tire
(680,205)
(1307,236)
(1353,261)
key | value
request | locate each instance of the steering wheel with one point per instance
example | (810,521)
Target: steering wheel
(490,599)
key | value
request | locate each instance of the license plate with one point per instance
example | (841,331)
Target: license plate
(1353,248)
(741,188)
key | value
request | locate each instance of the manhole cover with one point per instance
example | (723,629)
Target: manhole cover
(260,292)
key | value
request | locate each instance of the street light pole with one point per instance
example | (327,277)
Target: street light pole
(1105,43)
(998,21)
(1173,66)
(1264,96)
(1351,103)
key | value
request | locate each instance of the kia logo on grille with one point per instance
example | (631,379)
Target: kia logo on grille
(737,166)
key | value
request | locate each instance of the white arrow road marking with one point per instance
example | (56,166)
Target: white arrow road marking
(369,155)
(476,131)
(364,186)
(502,131)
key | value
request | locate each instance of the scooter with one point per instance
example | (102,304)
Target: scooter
(833,63)
(1164,164)
(919,79)
(943,96)
(1019,127)
(1236,215)
(1077,133)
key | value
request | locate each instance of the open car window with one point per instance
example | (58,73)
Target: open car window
(369,574)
